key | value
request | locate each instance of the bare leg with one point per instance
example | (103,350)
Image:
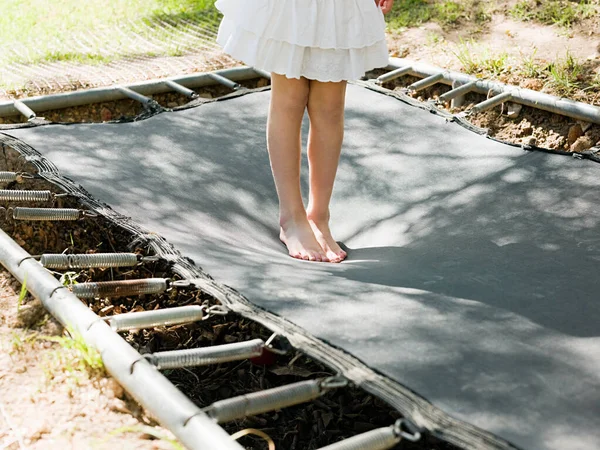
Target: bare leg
(289,98)
(326,112)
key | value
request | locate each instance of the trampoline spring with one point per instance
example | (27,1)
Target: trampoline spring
(378,439)
(93,260)
(21,213)
(263,401)
(25,196)
(9,177)
(156,318)
(119,288)
(206,355)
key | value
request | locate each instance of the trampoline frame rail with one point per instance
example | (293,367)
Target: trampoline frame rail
(460,83)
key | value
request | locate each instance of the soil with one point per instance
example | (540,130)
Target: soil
(522,43)
(46,401)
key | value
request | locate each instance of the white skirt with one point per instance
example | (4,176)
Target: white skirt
(324,40)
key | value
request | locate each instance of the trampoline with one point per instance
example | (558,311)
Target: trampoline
(471,279)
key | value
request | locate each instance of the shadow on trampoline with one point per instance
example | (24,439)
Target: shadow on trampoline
(471,277)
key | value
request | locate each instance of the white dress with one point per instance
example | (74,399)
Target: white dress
(324,40)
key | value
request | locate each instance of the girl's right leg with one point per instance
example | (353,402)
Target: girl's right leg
(289,98)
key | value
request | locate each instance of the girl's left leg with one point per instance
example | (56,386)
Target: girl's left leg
(326,103)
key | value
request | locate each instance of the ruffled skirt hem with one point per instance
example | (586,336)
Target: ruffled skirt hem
(295,61)
(324,40)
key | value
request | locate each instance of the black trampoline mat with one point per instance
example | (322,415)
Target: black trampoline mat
(472,275)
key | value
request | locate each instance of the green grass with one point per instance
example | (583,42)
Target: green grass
(529,66)
(151,431)
(40,30)
(22,294)
(448,13)
(563,13)
(481,60)
(564,74)
(73,357)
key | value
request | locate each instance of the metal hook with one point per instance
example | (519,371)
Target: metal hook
(413,433)
(335,382)
(271,348)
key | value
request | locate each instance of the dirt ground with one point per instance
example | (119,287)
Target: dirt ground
(521,48)
(47,401)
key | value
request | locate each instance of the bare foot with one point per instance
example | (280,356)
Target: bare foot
(322,233)
(300,241)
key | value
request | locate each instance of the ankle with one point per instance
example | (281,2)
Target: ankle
(287,218)
(317,217)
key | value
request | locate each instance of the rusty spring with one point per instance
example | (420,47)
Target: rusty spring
(25,196)
(93,260)
(105,289)
(22,213)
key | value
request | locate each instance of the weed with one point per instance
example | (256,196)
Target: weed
(558,12)
(18,341)
(464,53)
(481,60)
(69,278)
(493,63)
(522,10)
(151,431)
(448,12)
(529,67)
(410,13)
(434,38)
(22,294)
(75,357)
(564,74)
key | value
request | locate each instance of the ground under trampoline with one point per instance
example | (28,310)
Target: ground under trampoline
(472,270)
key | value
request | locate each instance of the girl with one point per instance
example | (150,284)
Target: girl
(311,48)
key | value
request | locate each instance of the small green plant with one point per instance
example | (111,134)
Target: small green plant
(493,63)
(477,60)
(69,278)
(564,74)
(74,356)
(522,10)
(18,341)
(22,294)
(529,67)
(466,56)
(448,12)
(151,431)
(410,13)
(558,12)
(434,38)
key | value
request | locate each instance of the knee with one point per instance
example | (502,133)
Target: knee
(291,95)
(296,99)
(326,109)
